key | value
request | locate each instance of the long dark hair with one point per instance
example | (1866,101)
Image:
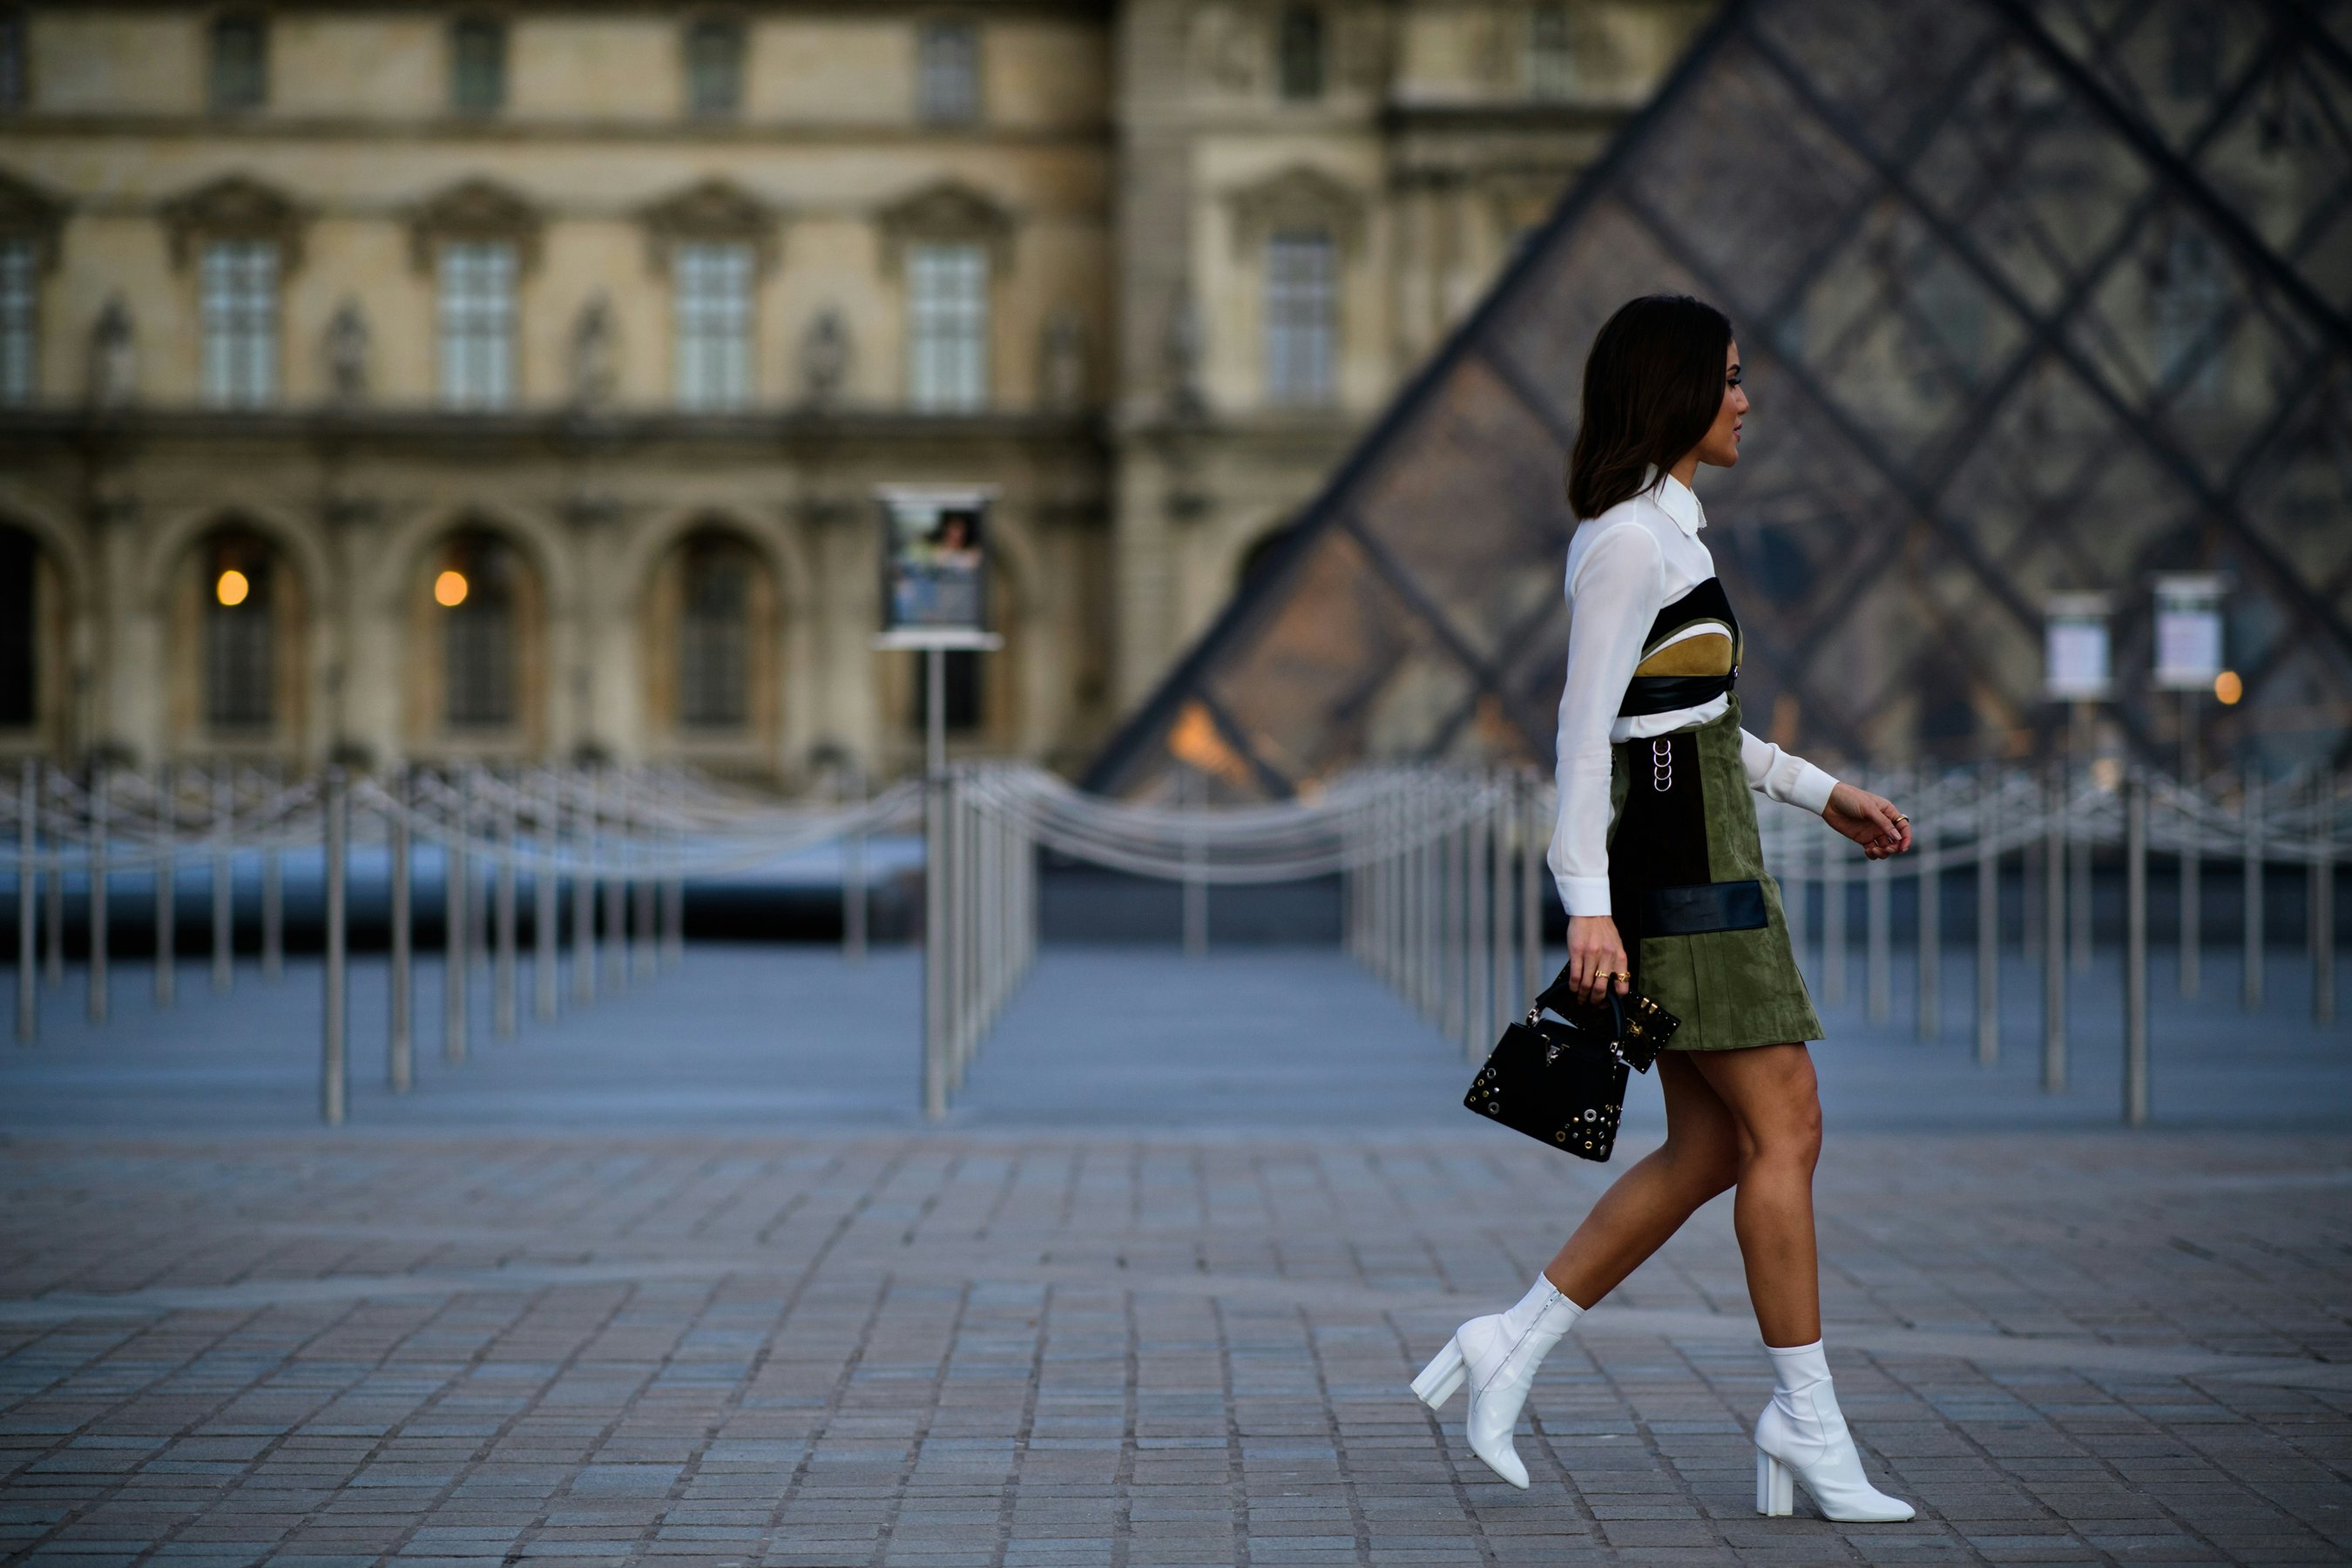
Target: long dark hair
(1653,385)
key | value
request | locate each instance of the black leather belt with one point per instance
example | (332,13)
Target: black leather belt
(1703,907)
(1647,694)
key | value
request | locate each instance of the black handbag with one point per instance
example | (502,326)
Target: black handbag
(1561,1081)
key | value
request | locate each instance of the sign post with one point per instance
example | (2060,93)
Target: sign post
(934,559)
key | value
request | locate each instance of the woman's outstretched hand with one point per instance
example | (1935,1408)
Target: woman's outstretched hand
(1870,820)
(1595,957)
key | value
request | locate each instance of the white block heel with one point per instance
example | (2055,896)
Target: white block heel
(1442,1376)
(1775,1488)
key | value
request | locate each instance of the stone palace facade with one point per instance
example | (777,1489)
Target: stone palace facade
(404,379)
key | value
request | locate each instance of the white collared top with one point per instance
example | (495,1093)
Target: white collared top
(1623,567)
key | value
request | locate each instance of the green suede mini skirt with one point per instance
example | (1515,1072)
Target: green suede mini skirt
(1702,923)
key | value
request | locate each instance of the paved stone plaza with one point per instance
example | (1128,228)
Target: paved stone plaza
(682,1279)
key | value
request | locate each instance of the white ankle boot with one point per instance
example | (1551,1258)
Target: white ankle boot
(1801,1434)
(1497,1357)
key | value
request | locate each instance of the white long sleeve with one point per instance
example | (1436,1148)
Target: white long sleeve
(1623,567)
(1783,775)
(1616,585)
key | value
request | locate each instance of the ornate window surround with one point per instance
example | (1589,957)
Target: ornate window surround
(947,211)
(474,209)
(711,209)
(234,206)
(1298,196)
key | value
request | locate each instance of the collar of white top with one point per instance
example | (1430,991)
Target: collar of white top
(1680,503)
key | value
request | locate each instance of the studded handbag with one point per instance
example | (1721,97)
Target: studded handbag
(1562,1080)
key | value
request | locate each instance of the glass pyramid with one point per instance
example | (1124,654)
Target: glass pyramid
(2033,295)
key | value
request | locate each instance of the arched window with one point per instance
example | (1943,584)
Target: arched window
(714,650)
(475,587)
(240,635)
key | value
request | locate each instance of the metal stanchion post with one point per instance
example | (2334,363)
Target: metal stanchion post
(1988,916)
(1505,1002)
(1878,880)
(29,874)
(1833,914)
(98,814)
(167,849)
(2135,949)
(223,888)
(616,909)
(645,954)
(2323,898)
(674,900)
(1473,952)
(1533,841)
(400,1055)
(2080,889)
(1931,928)
(583,894)
(454,880)
(503,1003)
(543,810)
(854,898)
(2251,980)
(935,920)
(53,958)
(1196,849)
(333,1088)
(273,885)
(2054,934)
(2191,860)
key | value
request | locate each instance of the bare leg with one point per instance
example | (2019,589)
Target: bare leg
(1775,1102)
(1648,1203)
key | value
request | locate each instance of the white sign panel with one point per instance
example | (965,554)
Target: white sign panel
(2188,632)
(2075,663)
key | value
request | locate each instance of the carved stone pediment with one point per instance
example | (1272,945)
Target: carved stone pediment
(474,209)
(947,212)
(29,212)
(712,210)
(234,206)
(1296,197)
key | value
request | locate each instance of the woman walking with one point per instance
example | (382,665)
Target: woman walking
(1656,777)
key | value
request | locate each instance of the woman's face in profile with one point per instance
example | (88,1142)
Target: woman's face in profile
(1720,447)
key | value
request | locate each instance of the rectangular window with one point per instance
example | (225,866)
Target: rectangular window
(478,65)
(15,77)
(239,284)
(947,336)
(19,319)
(1301,302)
(478,323)
(240,62)
(1551,58)
(947,73)
(1298,63)
(713,301)
(714,68)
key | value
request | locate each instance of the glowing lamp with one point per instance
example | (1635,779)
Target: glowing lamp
(449,589)
(2228,688)
(232,588)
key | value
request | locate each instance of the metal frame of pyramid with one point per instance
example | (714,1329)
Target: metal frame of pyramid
(2033,295)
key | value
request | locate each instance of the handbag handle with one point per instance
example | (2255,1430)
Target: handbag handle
(1561,997)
